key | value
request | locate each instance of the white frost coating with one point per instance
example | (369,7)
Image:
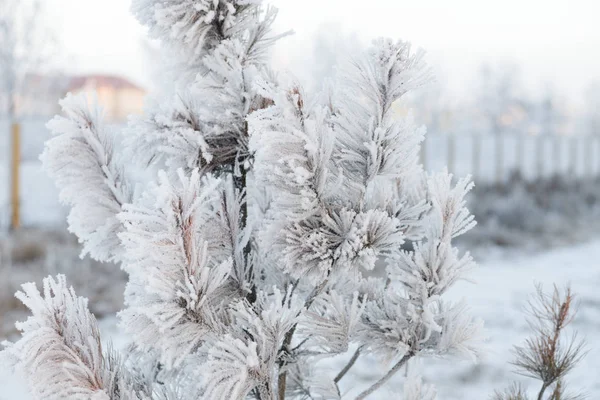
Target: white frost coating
(332,322)
(81,160)
(204,125)
(178,288)
(172,133)
(60,351)
(415,389)
(193,25)
(286,228)
(236,366)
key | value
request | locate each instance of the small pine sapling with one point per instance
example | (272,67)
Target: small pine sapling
(284,227)
(549,355)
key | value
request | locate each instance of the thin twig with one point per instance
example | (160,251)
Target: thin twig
(301,343)
(542,390)
(386,377)
(287,341)
(348,366)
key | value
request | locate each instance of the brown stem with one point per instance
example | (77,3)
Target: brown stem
(542,390)
(241,184)
(386,377)
(287,341)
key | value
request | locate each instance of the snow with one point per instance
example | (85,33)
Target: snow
(498,294)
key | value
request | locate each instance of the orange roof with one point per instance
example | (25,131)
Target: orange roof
(78,82)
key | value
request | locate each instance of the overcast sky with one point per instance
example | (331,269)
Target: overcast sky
(556,42)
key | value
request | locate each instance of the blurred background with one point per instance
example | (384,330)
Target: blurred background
(516,104)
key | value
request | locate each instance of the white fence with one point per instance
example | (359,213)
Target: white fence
(489,159)
(492,159)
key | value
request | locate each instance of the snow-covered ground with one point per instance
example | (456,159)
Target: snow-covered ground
(498,295)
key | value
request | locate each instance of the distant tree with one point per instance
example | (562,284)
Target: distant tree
(26,46)
(331,46)
(433,109)
(592,103)
(548,115)
(316,59)
(498,99)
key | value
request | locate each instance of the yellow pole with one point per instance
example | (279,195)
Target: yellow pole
(14,175)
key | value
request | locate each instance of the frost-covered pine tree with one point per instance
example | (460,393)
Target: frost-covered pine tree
(282,229)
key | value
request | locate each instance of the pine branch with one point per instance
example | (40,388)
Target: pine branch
(542,391)
(548,356)
(377,385)
(81,159)
(61,352)
(241,185)
(348,366)
(285,348)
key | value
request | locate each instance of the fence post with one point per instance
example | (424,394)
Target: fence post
(499,159)
(476,160)
(597,155)
(588,156)
(556,154)
(539,149)
(520,161)
(451,154)
(15,216)
(423,153)
(597,171)
(574,155)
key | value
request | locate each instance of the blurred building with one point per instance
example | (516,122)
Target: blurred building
(37,96)
(116,95)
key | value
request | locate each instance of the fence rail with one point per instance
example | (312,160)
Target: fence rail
(492,159)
